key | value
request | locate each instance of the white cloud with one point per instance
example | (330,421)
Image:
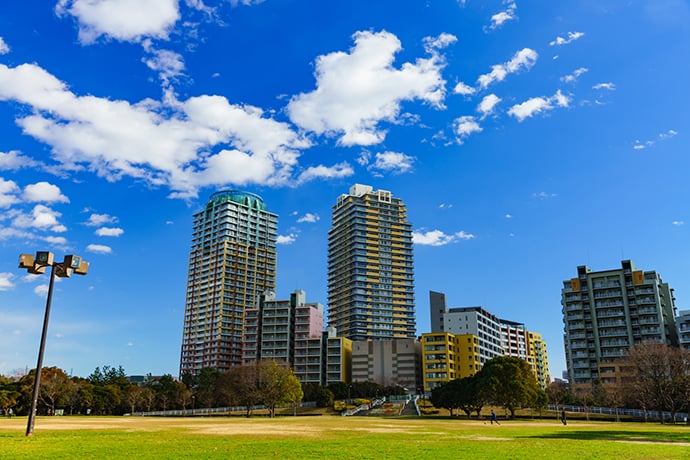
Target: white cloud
(678,222)
(486,106)
(571,78)
(438,238)
(609,86)
(392,162)
(41,217)
(640,145)
(464,126)
(286,239)
(14,160)
(432,44)
(41,290)
(168,64)
(4,49)
(8,193)
(360,89)
(99,219)
(572,36)
(523,59)
(99,249)
(498,19)
(56,240)
(123,20)
(538,105)
(544,195)
(44,192)
(309,217)
(465,90)
(6,281)
(109,231)
(445,206)
(339,170)
(508,216)
(179,136)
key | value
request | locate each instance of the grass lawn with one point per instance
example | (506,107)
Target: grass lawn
(335,437)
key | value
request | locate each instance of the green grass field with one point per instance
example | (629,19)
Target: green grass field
(334,437)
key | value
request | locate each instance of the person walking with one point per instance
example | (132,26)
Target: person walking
(494,418)
(563,419)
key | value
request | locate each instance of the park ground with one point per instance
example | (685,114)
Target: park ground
(336,437)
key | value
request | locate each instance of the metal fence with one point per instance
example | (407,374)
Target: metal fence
(639,414)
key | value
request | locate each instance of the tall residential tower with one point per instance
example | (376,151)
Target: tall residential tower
(370,267)
(606,312)
(232,262)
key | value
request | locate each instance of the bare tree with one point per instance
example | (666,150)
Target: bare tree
(659,380)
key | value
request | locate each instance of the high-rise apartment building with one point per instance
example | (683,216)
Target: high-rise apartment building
(272,326)
(491,337)
(447,356)
(388,362)
(232,261)
(370,267)
(683,322)
(538,359)
(606,312)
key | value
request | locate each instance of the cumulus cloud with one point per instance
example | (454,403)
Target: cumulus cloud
(487,105)
(538,105)
(465,90)
(544,195)
(286,239)
(523,59)
(358,90)
(179,136)
(41,217)
(99,249)
(168,64)
(6,281)
(14,160)
(99,219)
(641,145)
(339,170)
(678,222)
(9,191)
(44,192)
(571,78)
(439,238)
(572,36)
(509,14)
(109,231)
(4,49)
(122,20)
(309,217)
(608,86)
(392,163)
(464,126)
(42,290)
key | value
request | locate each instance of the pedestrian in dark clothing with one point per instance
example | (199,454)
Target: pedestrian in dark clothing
(563,419)
(494,418)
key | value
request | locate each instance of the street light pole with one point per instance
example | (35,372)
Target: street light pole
(37,266)
(39,364)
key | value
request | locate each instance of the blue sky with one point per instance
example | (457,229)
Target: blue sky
(525,137)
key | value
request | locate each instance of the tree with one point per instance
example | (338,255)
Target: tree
(509,382)
(55,386)
(243,380)
(206,382)
(277,385)
(659,376)
(324,397)
(558,393)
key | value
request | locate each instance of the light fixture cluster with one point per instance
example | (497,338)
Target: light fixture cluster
(37,264)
